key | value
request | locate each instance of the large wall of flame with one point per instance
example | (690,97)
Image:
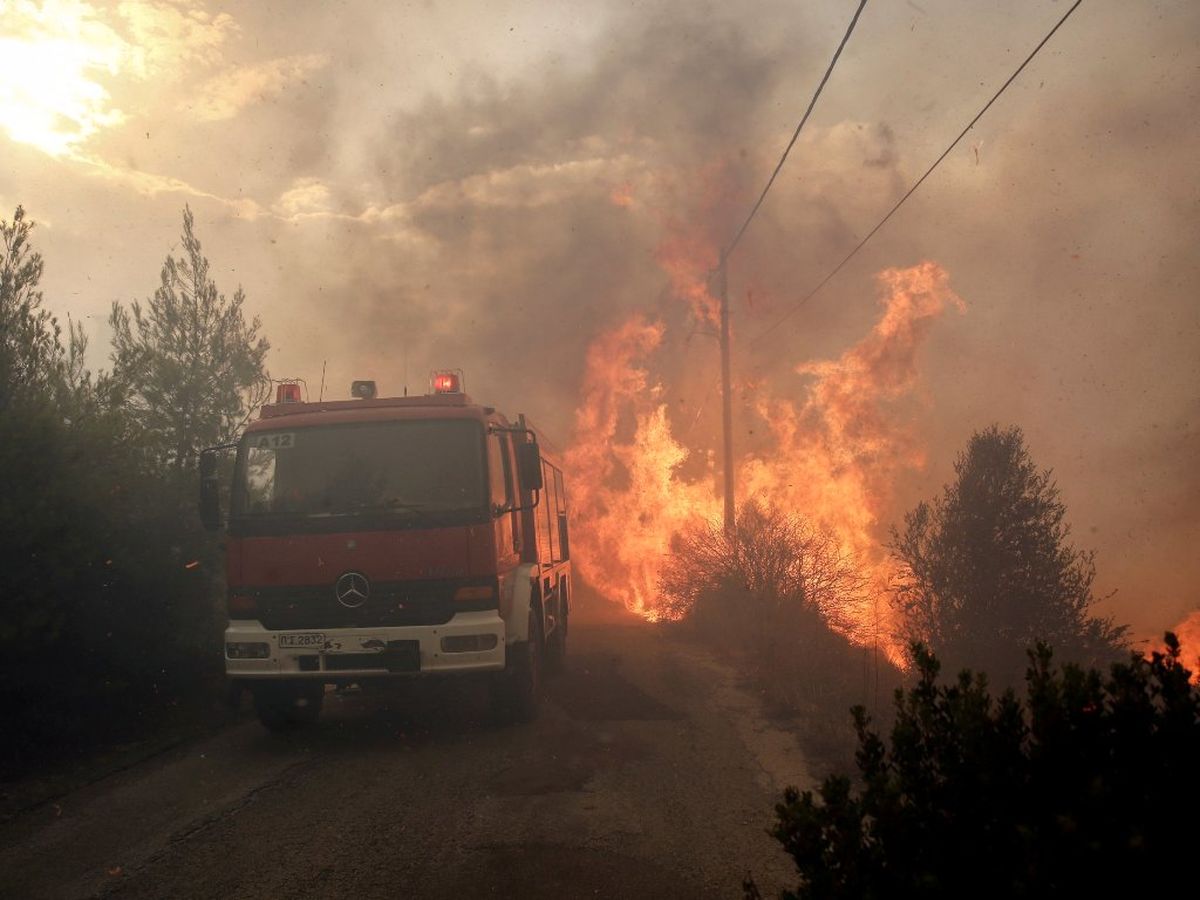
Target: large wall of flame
(838,444)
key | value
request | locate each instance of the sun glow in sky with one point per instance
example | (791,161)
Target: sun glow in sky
(57,57)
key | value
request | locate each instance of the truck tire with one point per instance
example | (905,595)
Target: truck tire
(283,707)
(517,691)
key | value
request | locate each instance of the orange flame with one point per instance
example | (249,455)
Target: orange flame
(690,248)
(834,455)
(1188,632)
(622,195)
(627,499)
(688,261)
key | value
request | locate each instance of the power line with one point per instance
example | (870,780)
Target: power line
(770,181)
(824,281)
(721,274)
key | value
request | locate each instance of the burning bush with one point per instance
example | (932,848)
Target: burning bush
(1074,792)
(776,559)
(776,589)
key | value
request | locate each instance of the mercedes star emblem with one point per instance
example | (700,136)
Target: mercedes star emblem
(352,590)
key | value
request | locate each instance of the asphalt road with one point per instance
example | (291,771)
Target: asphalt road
(650,773)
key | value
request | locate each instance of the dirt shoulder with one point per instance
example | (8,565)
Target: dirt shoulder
(652,772)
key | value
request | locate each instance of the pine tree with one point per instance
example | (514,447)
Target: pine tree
(189,364)
(31,356)
(989,572)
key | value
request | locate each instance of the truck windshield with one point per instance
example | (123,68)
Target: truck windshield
(403,468)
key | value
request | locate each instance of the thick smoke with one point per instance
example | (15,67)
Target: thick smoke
(493,187)
(525,217)
(518,218)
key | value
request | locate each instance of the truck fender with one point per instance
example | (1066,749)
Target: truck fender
(524,581)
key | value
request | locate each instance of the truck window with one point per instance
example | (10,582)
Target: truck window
(403,468)
(547,517)
(551,498)
(564,545)
(499,470)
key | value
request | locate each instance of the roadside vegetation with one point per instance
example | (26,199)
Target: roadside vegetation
(1083,789)
(989,570)
(770,593)
(108,607)
(1070,791)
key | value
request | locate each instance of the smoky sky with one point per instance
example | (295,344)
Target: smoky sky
(491,187)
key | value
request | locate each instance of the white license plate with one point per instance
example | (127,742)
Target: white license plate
(301,641)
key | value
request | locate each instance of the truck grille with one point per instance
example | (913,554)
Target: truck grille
(397,603)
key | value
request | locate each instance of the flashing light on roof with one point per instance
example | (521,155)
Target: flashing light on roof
(363,390)
(447,381)
(287,393)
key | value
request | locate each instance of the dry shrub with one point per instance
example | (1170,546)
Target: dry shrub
(782,594)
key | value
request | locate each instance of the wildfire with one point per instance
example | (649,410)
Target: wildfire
(837,453)
(628,500)
(1188,632)
(834,454)
(688,259)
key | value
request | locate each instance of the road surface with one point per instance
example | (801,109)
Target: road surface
(651,772)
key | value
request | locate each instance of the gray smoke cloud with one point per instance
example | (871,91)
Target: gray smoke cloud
(489,187)
(1065,222)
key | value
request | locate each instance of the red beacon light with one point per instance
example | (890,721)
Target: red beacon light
(447,381)
(287,393)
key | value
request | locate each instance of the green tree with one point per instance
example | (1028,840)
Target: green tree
(105,609)
(988,570)
(31,443)
(30,352)
(1084,790)
(189,364)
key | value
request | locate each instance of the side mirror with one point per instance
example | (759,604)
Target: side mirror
(210,491)
(529,466)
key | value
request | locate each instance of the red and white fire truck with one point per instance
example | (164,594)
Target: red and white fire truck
(378,537)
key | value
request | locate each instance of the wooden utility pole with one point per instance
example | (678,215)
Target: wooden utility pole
(726,394)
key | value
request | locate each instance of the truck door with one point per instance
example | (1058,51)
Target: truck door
(507,524)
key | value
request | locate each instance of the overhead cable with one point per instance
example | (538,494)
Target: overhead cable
(770,181)
(824,281)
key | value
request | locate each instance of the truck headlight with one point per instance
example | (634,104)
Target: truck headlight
(247,650)
(468,643)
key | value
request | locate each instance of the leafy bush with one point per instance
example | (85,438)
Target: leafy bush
(1085,789)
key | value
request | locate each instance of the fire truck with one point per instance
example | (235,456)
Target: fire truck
(381,538)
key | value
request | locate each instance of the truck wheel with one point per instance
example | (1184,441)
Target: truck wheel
(282,707)
(517,691)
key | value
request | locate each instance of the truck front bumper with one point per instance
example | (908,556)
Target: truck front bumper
(470,642)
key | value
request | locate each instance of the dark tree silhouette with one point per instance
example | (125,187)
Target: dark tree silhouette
(988,570)
(30,352)
(106,588)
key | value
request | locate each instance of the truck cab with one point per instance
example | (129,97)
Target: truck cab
(380,538)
